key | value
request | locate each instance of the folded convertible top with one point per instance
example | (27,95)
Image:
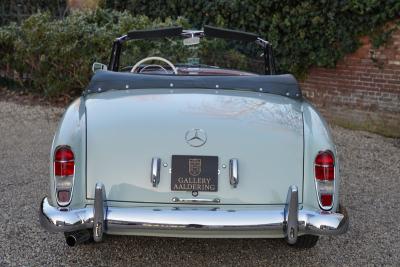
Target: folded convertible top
(285,85)
(209,31)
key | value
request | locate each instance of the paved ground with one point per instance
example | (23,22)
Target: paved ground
(370,189)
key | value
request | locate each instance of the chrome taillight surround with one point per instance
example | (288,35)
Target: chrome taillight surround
(63,183)
(325,187)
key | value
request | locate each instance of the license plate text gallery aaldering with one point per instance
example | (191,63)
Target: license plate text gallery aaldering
(194,183)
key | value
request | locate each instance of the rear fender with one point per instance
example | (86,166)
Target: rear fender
(317,137)
(72,132)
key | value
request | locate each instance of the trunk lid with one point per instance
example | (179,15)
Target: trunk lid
(126,129)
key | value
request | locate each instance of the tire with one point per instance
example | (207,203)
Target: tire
(306,241)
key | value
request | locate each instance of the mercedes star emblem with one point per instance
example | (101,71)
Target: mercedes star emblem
(196,137)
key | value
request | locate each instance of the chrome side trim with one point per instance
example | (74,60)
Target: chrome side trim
(234,172)
(195,200)
(155,171)
(99,212)
(291,215)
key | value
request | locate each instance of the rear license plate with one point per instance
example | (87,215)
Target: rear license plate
(194,173)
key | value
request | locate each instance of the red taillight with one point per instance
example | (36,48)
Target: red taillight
(325,158)
(64,164)
(325,166)
(64,154)
(64,170)
(324,169)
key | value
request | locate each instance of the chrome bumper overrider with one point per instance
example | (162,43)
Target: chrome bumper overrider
(290,220)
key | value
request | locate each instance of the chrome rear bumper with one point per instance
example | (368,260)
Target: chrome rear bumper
(288,221)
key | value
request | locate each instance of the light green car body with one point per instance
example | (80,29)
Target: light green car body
(115,134)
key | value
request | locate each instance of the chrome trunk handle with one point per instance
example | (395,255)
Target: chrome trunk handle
(234,172)
(155,171)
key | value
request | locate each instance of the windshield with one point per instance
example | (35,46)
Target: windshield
(206,56)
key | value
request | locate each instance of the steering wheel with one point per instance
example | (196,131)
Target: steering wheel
(142,70)
(175,71)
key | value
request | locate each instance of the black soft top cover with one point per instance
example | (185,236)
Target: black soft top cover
(285,85)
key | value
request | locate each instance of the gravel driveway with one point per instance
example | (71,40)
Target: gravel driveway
(370,190)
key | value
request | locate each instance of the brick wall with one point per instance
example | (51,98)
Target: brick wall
(363,91)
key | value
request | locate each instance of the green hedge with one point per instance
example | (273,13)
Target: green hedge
(17,10)
(54,57)
(304,33)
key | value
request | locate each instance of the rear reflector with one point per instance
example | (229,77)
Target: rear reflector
(324,170)
(326,200)
(63,196)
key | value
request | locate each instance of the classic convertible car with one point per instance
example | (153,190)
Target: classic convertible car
(193,150)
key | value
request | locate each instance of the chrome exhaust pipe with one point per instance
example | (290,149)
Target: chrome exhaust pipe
(78,237)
